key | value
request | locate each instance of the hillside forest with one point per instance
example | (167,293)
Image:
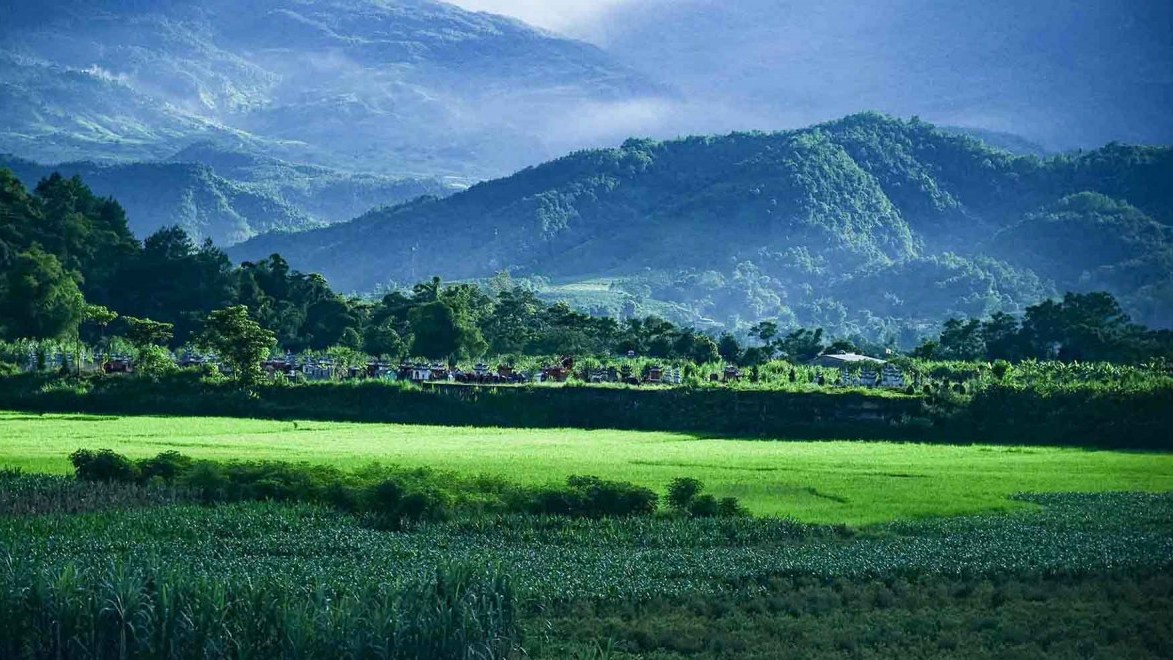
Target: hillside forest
(868,226)
(65,252)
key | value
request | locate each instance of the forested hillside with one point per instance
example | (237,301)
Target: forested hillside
(229,196)
(865,224)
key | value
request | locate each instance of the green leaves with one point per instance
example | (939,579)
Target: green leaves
(39,299)
(240,342)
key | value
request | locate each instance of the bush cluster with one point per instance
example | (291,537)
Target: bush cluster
(685,496)
(388,497)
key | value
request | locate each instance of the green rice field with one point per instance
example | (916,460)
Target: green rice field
(827,481)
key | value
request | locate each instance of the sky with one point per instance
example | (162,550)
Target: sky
(572,17)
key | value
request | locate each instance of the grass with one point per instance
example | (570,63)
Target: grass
(829,482)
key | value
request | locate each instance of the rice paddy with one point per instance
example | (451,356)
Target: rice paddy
(848,482)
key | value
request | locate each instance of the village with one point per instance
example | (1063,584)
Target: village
(835,370)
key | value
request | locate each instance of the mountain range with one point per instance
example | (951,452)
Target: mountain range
(337,132)
(229,196)
(856,221)
(402,87)
(420,88)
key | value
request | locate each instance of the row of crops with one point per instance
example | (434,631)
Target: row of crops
(127,571)
(570,559)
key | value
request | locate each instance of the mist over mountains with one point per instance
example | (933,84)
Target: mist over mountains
(424,88)
(1062,73)
(410,87)
(229,196)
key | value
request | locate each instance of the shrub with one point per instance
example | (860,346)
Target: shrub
(704,506)
(167,466)
(1000,369)
(102,465)
(207,480)
(730,507)
(154,361)
(681,492)
(395,504)
(592,497)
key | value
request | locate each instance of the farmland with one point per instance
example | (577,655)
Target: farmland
(824,482)
(1081,576)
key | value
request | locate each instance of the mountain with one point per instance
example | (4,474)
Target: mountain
(1062,73)
(229,196)
(853,221)
(403,87)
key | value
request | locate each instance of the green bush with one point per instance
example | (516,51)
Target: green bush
(154,361)
(393,497)
(704,506)
(730,507)
(166,466)
(207,480)
(592,497)
(682,491)
(102,465)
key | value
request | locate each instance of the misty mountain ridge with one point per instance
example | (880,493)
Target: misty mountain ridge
(1063,74)
(230,196)
(864,220)
(405,87)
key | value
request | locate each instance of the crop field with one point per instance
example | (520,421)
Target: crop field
(1083,576)
(823,482)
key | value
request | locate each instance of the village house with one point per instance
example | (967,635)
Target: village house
(843,360)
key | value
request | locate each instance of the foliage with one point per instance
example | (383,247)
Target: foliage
(592,497)
(154,361)
(1080,327)
(103,465)
(39,299)
(161,610)
(145,332)
(240,342)
(392,496)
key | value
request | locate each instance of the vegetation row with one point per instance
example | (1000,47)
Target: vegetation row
(392,497)
(1107,415)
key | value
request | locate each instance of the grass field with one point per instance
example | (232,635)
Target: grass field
(847,482)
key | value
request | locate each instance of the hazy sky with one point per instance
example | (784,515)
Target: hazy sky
(567,16)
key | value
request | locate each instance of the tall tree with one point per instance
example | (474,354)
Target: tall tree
(440,333)
(39,299)
(240,342)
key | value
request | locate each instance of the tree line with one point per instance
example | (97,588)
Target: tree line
(70,268)
(1088,327)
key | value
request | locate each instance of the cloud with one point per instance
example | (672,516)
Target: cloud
(572,17)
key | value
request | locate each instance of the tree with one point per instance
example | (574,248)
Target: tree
(961,340)
(1089,326)
(439,333)
(145,332)
(728,348)
(39,299)
(99,316)
(383,340)
(767,332)
(840,346)
(703,350)
(802,344)
(241,342)
(1000,335)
